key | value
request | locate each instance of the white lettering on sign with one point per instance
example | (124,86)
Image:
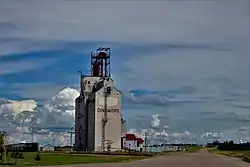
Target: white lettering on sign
(112,110)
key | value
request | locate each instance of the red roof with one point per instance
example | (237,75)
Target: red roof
(131,137)
(134,138)
(140,140)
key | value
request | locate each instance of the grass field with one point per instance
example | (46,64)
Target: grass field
(189,149)
(245,155)
(64,159)
(193,148)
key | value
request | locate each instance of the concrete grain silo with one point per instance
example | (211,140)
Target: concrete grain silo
(98,116)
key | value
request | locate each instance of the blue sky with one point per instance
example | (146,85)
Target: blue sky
(187,61)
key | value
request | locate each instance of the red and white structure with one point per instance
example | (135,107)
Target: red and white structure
(130,141)
(99,125)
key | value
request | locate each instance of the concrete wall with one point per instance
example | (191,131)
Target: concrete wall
(89,113)
(91,123)
(81,113)
(81,123)
(113,126)
(88,83)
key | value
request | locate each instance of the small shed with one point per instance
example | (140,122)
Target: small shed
(132,142)
(47,147)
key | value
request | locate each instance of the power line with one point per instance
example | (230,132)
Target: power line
(71,131)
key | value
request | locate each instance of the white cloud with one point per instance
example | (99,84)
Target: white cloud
(52,121)
(57,139)
(151,134)
(155,122)
(182,134)
(23,129)
(63,102)
(14,108)
(23,115)
(203,45)
(71,20)
(162,133)
(239,135)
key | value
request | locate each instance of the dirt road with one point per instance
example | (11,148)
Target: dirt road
(199,159)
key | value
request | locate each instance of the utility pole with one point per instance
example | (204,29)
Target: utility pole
(71,136)
(146,141)
(3,136)
(53,141)
(32,131)
(71,131)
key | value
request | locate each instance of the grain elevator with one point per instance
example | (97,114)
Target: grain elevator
(98,118)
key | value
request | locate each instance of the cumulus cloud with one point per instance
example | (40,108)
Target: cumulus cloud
(51,121)
(183,134)
(186,58)
(64,101)
(162,133)
(23,129)
(239,135)
(198,131)
(11,109)
(155,122)
(54,118)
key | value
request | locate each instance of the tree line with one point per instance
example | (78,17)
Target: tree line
(230,146)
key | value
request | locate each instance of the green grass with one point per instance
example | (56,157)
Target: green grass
(192,149)
(245,155)
(172,153)
(64,159)
(189,149)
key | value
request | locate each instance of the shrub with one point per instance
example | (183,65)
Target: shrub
(246,159)
(37,158)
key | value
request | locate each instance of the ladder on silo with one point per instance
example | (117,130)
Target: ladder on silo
(105,118)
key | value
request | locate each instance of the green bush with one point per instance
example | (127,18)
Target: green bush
(37,158)
(246,159)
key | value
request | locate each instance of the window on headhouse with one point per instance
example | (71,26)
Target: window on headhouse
(88,82)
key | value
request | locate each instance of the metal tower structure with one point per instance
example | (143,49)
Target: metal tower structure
(100,62)
(93,104)
(100,67)
(71,131)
